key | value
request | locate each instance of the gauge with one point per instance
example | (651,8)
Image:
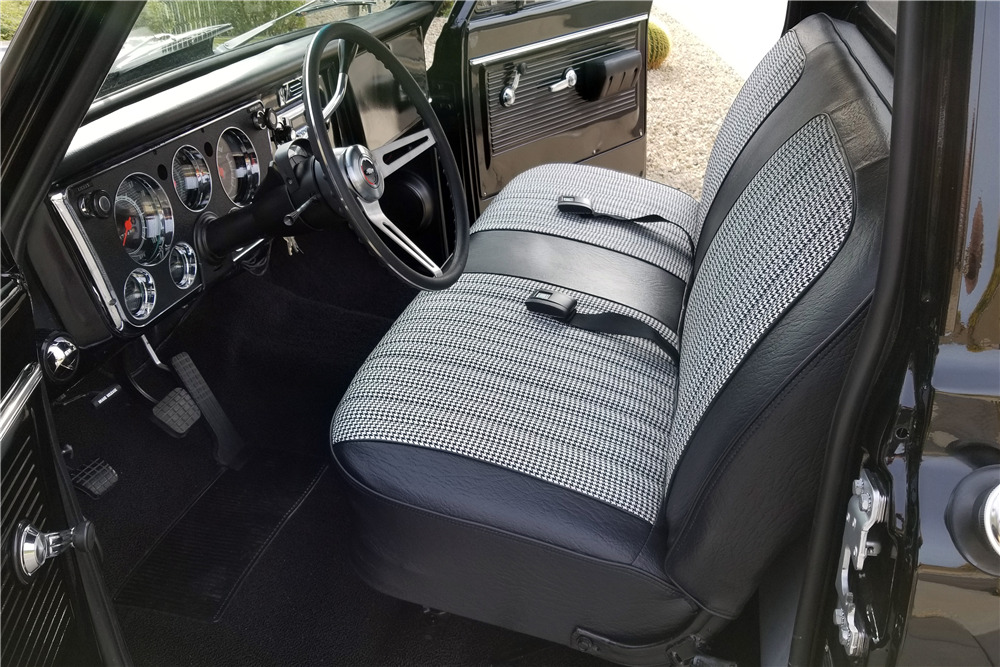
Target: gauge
(238,169)
(144,219)
(140,294)
(192,178)
(183,264)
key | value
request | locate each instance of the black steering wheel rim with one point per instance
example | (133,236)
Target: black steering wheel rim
(335,174)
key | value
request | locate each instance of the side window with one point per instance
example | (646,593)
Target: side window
(885,10)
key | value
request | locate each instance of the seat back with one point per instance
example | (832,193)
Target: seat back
(784,271)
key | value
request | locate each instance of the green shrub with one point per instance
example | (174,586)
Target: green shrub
(658,44)
(11,13)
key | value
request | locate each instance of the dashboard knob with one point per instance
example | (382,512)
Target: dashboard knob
(101,203)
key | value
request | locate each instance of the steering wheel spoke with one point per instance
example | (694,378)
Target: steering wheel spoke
(382,222)
(345,56)
(352,178)
(414,144)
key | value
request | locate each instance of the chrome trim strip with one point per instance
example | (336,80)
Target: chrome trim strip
(16,398)
(537,46)
(15,293)
(98,279)
(241,252)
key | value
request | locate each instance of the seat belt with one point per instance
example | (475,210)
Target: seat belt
(581,206)
(562,307)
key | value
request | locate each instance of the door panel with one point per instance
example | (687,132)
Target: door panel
(544,125)
(61,613)
(491,47)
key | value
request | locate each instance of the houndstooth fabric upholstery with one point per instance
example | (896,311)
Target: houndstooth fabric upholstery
(528,203)
(784,230)
(469,370)
(768,84)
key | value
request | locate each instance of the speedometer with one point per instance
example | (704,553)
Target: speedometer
(144,219)
(238,169)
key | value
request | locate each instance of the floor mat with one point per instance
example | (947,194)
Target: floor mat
(195,568)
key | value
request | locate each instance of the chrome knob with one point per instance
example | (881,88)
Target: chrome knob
(61,357)
(568,81)
(32,548)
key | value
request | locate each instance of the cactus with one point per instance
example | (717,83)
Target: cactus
(658,45)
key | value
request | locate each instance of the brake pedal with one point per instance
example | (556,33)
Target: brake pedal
(228,443)
(176,413)
(95,479)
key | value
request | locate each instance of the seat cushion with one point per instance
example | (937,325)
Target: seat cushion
(528,203)
(494,453)
(471,371)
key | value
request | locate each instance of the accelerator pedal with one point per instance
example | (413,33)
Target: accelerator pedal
(176,413)
(95,479)
(229,445)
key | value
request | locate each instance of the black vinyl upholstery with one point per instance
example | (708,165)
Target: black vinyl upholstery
(692,503)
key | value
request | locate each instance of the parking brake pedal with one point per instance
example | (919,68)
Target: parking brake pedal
(228,443)
(176,413)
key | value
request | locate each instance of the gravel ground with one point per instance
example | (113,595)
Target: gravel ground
(687,98)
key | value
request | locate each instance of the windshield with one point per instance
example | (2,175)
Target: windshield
(171,33)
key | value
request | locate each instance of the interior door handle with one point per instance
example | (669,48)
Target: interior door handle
(568,81)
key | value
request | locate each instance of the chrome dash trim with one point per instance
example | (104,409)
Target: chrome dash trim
(16,398)
(538,46)
(99,280)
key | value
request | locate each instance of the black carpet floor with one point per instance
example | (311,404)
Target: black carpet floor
(278,351)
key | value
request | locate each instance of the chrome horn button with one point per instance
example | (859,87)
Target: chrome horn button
(363,173)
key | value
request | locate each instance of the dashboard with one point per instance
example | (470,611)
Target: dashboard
(118,226)
(133,223)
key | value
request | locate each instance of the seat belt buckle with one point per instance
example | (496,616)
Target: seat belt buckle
(575,205)
(554,304)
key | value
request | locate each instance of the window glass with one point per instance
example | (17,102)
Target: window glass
(885,10)
(172,33)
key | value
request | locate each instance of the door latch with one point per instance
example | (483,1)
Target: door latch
(568,81)
(508,96)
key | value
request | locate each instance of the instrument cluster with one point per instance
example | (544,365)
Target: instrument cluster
(134,222)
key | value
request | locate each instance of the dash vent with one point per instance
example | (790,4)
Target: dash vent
(290,91)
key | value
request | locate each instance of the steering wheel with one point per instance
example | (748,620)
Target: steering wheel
(357,174)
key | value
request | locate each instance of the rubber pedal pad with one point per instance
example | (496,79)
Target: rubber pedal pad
(176,413)
(229,446)
(95,479)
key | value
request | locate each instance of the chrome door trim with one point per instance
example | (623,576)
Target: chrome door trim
(16,398)
(538,46)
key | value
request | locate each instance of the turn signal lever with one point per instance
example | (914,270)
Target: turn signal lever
(294,182)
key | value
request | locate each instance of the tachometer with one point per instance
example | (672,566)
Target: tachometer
(238,169)
(192,178)
(144,219)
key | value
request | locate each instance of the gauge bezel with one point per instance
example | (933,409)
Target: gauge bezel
(190,260)
(248,148)
(206,198)
(148,283)
(166,213)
